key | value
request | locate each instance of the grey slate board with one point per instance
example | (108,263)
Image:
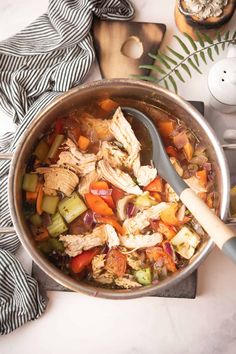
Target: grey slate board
(187,288)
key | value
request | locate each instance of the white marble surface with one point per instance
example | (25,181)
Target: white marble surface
(75,323)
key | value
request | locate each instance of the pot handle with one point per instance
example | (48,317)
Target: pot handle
(6,230)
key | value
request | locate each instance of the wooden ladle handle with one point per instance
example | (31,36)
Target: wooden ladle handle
(223,236)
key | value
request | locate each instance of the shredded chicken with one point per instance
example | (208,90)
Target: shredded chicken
(98,264)
(118,178)
(96,129)
(171,196)
(112,238)
(127,283)
(122,131)
(85,182)
(105,278)
(141,241)
(134,260)
(59,179)
(75,244)
(145,175)
(79,162)
(137,223)
(112,153)
(49,191)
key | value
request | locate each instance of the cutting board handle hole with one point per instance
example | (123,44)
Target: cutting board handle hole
(132,48)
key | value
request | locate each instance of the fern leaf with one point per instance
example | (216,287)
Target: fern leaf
(193,44)
(200,40)
(234,35)
(202,54)
(209,52)
(145,78)
(218,36)
(163,61)
(185,67)
(166,84)
(226,37)
(153,68)
(182,44)
(207,38)
(177,73)
(196,59)
(166,57)
(193,65)
(173,83)
(216,49)
(179,56)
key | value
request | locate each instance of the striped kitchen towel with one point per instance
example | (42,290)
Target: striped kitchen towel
(50,56)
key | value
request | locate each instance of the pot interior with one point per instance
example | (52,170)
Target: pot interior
(156,103)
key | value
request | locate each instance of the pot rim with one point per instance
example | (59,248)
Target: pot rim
(85,288)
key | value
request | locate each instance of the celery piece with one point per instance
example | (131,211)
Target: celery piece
(55,145)
(144,276)
(56,244)
(71,207)
(36,220)
(144,201)
(49,204)
(30,182)
(41,150)
(58,225)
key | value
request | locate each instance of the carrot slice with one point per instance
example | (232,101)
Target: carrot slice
(108,105)
(97,204)
(31,196)
(111,221)
(155,186)
(171,151)
(166,128)
(99,185)
(202,176)
(83,142)
(39,200)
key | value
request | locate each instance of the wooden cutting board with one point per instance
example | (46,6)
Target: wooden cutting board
(122,46)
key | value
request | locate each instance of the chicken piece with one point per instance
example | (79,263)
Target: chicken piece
(49,191)
(134,260)
(121,206)
(118,178)
(141,241)
(145,175)
(59,179)
(105,278)
(171,196)
(127,283)
(81,163)
(86,180)
(112,237)
(122,131)
(76,244)
(98,264)
(194,183)
(97,129)
(137,223)
(112,153)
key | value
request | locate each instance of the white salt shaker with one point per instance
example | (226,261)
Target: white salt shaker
(222,83)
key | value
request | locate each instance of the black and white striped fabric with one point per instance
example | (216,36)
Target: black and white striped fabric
(50,56)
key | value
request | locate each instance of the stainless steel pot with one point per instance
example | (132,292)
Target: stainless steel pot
(140,93)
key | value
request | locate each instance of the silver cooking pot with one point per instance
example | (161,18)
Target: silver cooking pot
(140,95)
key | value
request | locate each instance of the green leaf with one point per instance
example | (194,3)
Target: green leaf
(153,68)
(209,52)
(182,44)
(196,59)
(179,75)
(145,78)
(193,65)
(179,56)
(200,40)
(207,38)
(173,83)
(193,44)
(218,36)
(202,54)
(185,67)
(234,35)
(166,57)
(216,49)
(163,61)
(166,84)
(226,37)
